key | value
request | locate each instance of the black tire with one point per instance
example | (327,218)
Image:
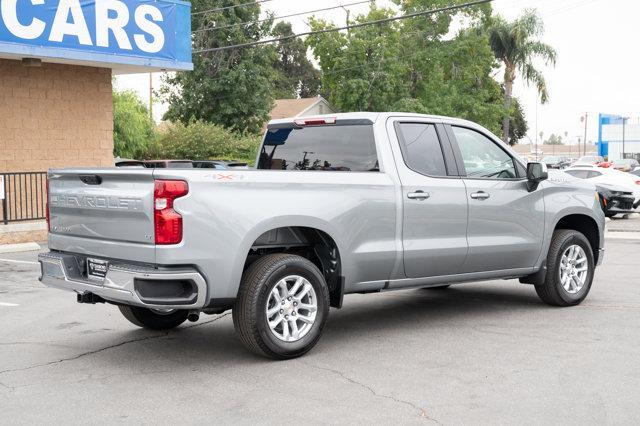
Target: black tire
(552,292)
(146,318)
(440,287)
(249,317)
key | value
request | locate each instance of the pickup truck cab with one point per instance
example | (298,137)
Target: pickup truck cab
(349,203)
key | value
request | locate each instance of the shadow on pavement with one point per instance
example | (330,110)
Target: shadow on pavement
(209,343)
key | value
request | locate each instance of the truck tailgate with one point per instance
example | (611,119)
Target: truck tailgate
(101,207)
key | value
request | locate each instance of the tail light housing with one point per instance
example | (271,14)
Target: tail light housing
(168,222)
(46,206)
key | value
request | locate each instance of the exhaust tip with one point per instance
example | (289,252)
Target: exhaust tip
(194,317)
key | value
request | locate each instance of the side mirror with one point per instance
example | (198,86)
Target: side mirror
(536,173)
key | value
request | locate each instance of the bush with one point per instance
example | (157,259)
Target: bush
(203,141)
(133,129)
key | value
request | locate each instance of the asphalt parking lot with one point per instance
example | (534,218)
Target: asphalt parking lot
(476,353)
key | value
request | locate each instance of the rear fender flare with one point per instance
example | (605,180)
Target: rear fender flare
(274,223)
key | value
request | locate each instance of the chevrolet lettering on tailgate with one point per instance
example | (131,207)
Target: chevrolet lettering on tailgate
(95,202)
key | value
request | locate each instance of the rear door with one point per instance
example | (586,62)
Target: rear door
(506,221)
(434,199)
(106,205)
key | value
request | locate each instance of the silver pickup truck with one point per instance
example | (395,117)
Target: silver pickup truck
(351,203)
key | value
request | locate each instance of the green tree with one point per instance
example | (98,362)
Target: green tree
(133,129)
(554,140)
(296,75)
(412,65)
(232,88)
(361,70)
(515,44)
(518,126)
(203,141)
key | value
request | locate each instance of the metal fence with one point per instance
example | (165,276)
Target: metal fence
(25,196)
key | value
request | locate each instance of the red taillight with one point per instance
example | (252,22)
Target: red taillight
(46,203)
(315,121)
(168,222)
(638,182)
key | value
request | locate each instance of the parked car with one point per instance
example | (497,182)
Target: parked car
(556,162)
(625,165)
(350,203)
(168,164)
(590,159)
(615,200)
(220,165)
(130,163)
(616,178)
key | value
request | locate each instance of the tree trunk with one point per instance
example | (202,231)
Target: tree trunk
(508,92)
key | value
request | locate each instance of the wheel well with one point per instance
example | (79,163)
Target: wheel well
(310,243)
(586,226)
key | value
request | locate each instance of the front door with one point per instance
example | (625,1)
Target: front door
(506,221)
(434,201)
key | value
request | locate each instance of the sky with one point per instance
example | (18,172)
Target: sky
(597,69)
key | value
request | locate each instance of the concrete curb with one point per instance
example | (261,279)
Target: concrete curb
(16,248)
(621,235)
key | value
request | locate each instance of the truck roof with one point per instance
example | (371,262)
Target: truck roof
(374,117)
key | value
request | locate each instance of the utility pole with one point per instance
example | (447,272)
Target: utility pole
(586,120)
(624,125)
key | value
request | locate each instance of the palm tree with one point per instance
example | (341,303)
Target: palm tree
(515,44)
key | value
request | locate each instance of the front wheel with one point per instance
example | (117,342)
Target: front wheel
(154,319)
(570,269)
(282,306)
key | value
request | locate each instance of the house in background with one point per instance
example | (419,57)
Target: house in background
(304,107)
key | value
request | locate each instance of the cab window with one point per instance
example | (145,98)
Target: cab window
(482,158)
(421,148)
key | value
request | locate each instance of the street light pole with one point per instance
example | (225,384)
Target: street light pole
(586,120)
(624,125)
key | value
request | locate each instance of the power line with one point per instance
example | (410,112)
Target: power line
(384,59)
(231,7)
(346,27)
(247,23)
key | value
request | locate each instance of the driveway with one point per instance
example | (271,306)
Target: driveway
(476,353)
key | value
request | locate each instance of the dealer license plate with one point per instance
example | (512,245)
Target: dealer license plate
(97,269)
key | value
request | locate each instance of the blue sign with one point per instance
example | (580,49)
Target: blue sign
(603,120)
(147,33)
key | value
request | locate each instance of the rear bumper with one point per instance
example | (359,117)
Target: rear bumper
(126,284)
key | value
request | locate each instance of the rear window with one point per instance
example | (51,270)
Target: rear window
(349,148)
(580,174)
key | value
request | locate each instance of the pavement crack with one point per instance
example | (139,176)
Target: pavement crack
(106,348)
(422,412)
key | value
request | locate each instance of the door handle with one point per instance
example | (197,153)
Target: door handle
(480,195)
(418,195)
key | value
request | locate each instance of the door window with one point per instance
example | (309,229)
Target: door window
(482,157)
(421,148)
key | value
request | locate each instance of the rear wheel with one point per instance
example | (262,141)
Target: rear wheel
(282,306)
(570,269)
(154,319)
